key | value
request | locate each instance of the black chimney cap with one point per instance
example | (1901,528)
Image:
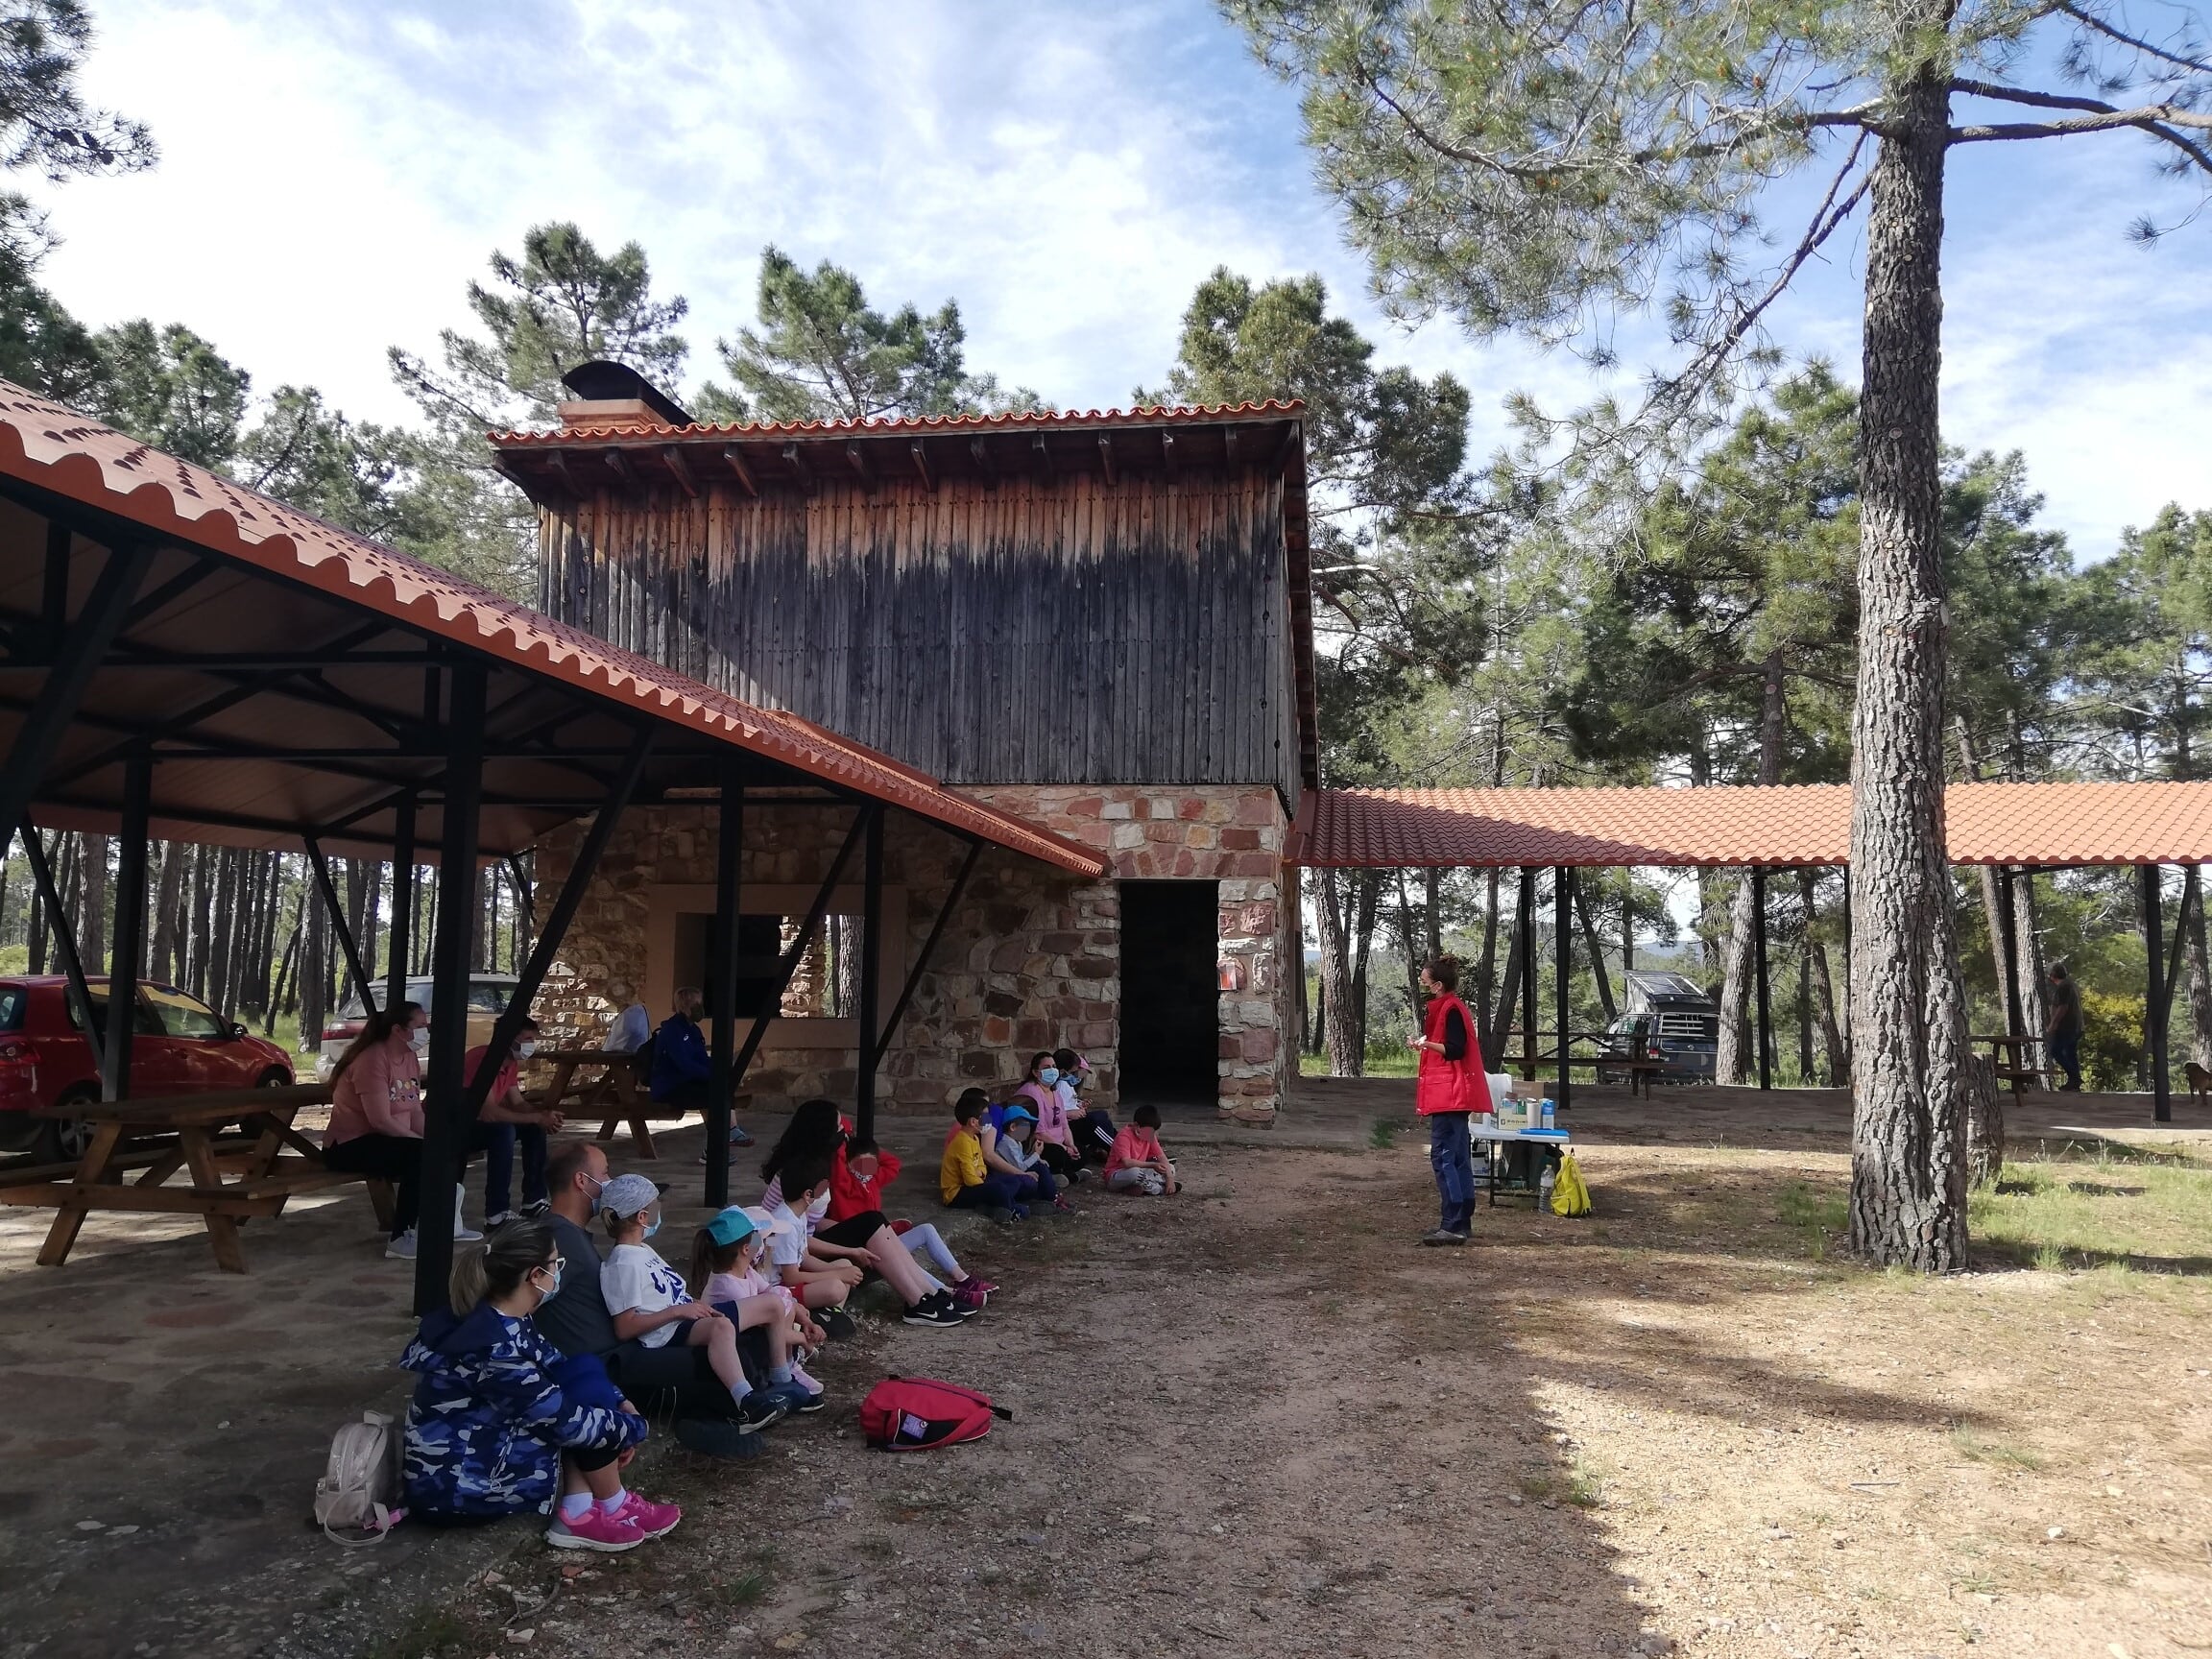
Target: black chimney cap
(607,383)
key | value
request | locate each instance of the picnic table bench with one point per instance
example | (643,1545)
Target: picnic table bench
(233,1179)
(1641,1071)
(598,1083)
(2007,1053)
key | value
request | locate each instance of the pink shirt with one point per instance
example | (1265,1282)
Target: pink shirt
(1132,1147)
(380,1094)
(1051,1114)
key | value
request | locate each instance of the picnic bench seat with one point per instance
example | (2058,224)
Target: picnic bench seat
(614,1095)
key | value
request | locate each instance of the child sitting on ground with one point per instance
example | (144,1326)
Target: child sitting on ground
(864,1242)
(1091,1126)
(1139,1162)
(963,1180)
(648,1300)
(1055,1138)
(1012,1147)
(858,1177)
(725,1256)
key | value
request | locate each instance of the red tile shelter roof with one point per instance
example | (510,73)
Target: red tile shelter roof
(2048,825)
(1157,414)
(285,580)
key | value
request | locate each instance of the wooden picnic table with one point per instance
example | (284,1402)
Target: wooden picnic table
(232,1179)
(1641,1071)
(598,1083)
(2007,1053)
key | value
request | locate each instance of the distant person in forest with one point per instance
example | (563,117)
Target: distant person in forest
(2064,1033)
(1449,1087)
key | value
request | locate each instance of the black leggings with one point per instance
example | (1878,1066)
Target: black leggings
(398,1160)
(854,1231)
(590,1457)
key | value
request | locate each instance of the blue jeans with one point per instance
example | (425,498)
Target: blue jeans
(500,1143)
(995,1192)
(2066,1055)
(1452,1155)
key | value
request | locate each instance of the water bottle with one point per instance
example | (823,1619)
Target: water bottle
(1543,1188)
(1550,1114)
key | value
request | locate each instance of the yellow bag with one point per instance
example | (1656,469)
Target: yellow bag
(1568,1195)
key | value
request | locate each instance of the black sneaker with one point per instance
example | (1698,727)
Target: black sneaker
(935,1313)
(1001,1215)
(838,1324)
(759,1408)
(945,1299)
(714,1437)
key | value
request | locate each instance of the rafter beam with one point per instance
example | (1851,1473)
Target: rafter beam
(1167,453)
(735,458)
(673,455)
(794,459)
(921,464)
(1106,456)
(981,456)
(1041,456)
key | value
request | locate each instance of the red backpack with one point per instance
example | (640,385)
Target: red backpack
(907,1413)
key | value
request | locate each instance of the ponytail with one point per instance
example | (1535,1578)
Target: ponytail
(703,1267)
(375,1030)
(507,1256)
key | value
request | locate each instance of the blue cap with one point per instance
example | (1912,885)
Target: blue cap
(1014,1109)
(730,1225)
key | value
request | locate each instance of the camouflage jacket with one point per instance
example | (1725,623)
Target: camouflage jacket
(491,1415)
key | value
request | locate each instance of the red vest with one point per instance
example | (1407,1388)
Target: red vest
(1450,1084)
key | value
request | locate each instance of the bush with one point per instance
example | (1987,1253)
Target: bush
(2111,1038)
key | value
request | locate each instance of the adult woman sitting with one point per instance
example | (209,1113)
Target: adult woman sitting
(377,1115)
(502,1424)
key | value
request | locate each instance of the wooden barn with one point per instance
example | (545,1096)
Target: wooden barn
(1097,621)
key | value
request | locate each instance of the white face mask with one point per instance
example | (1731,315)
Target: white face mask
(819,1208)
(525,1050)
(419,1036)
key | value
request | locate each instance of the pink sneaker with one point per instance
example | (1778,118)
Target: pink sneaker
(977,1283)
(806,1382)
(654,1520)
(596,1529)
(970,1294)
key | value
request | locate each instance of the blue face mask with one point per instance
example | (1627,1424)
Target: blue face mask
(1048,1076)
(653,1226)
(556,1287)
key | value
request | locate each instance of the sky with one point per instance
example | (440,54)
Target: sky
(333,175)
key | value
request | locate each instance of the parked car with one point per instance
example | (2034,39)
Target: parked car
(1673,1021)
(488,995)
(179,1045)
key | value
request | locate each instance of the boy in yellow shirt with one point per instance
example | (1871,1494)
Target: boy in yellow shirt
(964,1181)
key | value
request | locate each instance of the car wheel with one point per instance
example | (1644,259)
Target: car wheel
(64,1140)
(275,1078)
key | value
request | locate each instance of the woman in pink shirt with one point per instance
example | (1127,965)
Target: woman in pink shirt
(1054,1137)
(377,1112)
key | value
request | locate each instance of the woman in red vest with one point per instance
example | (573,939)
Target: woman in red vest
(1452,1085)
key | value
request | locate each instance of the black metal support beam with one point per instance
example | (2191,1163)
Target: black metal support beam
(2176,954)
(800,946)
(445,1120)
(1526,922)
(38,739)
(928,952)
(722,978)
(2007,946)
(870,966)
(129,933)
(64,937)
(1562,971)
(2154,994)
(564,912)
(1759,978)
(54,597)
(339,929)
(399,937)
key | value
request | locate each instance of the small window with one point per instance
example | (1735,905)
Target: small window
(183,1016)
(144,1026)
(489,999)
(12,1002)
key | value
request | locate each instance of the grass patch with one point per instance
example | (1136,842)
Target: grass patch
(1584,1489)
(1536,1486)
(2071,1213)
(742,1591)
(2000,1454)
(427,1631)
(1383,1133)
(1815,1214)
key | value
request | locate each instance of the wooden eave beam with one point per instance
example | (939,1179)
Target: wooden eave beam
(673,455)
(797,462)
(921,464)
(1290,444)
(981,456)
(1167,453)
(1042,456)
(620,467)
(1106,456)
(557,463)
(858,462)
(1229,444)
(736,460)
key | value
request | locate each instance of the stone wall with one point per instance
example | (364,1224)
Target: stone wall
(1030,960)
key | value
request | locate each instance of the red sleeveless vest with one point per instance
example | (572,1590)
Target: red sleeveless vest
(1450,1084)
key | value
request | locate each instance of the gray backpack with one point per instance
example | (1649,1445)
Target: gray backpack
(360,1485)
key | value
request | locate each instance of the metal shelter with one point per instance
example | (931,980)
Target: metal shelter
(183,658)
(2020,829)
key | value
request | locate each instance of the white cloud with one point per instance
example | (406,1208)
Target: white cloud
(331,178)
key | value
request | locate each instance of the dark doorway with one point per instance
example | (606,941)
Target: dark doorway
(1171,1021)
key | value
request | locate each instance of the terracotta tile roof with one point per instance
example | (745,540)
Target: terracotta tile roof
(2037,824)
(54,448)
(1048,418)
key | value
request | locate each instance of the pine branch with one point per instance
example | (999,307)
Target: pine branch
(2089,20)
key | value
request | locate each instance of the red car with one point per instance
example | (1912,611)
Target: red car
(180,1046)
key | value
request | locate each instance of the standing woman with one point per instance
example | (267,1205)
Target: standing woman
(1451,1087)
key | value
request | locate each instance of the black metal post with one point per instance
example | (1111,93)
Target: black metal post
(1759,977)
(54,597)
(130,951)
(1526,922)
(445,1122)
(722,977)
(2008,946)
(64,939)
(1562,960)
(870,966)
(82,646)
(1627,932)
(399,937)
(531,974)
(339,929)
(2154,995)
(789,965)
(928,951)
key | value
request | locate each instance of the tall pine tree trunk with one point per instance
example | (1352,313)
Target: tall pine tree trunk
(1367,893)
(1907,1002)
(166,965)
(2199,977)
(1336,975)
(1737,1055)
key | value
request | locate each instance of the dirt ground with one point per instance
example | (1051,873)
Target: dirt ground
(1255,1420)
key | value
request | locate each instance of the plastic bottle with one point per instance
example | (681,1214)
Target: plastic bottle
(1543,1188)
(1551,1114)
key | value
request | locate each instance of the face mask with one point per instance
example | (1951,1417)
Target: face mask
(1048,1076)
(419,1036)
(556,1289)
(819,1208)
(525,1050)
(653,1226)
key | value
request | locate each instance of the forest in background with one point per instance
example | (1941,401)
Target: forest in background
(1499,620)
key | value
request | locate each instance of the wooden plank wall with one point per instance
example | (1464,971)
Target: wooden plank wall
(1061,632)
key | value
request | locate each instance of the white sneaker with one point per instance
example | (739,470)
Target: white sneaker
(465,1234)
(499,1220)
(400,1248)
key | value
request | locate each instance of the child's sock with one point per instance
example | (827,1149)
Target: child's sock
(739,1390)
(608,1505)
(780,1374)
(575,1505)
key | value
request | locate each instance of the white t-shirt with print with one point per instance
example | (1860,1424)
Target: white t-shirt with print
(786,1248)
(635,1279)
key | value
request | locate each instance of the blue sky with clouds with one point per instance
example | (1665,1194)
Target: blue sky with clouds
(332,176)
